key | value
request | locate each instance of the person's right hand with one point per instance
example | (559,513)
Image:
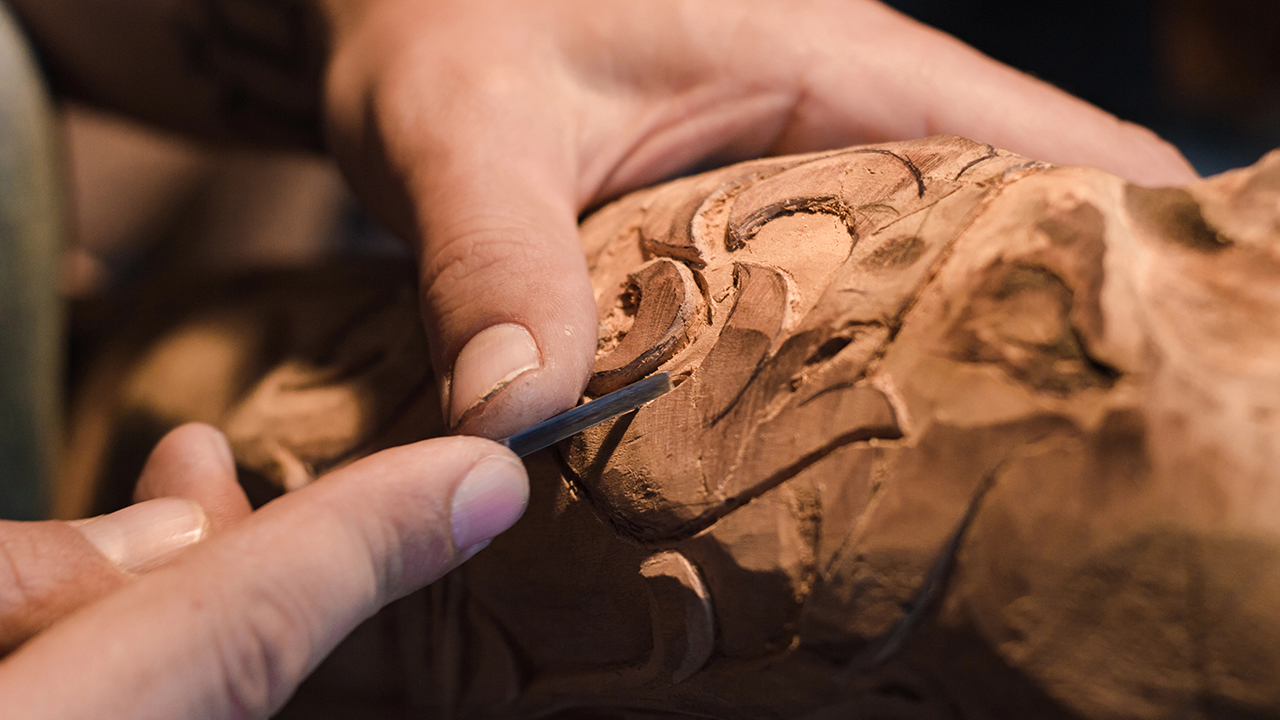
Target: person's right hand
(479,131)
(230,627)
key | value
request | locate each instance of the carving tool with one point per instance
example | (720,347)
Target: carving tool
(571,422)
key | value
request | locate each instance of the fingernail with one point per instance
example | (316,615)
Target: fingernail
(488,500)
(147,535)
(493,358)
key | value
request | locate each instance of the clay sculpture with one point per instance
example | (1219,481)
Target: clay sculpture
(956,434)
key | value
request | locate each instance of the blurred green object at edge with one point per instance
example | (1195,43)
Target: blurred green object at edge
(31,229)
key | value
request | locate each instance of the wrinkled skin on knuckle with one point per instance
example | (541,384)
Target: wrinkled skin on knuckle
(479,263)
(413,561)
(264,651)
(392,553)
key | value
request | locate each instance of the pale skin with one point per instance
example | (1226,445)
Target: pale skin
(478,131)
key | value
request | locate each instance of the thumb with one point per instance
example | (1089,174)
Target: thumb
(235,625)
(506,297)
(475,164)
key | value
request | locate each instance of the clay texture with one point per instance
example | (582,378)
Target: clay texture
(956,434)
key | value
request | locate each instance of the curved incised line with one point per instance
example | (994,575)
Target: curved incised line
(928,593)
(714,514)
(717,512)
(736,237)
(991,153)
(906,162)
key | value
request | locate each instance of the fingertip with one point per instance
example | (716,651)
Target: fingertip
(488,500)
(189,449)
(1161,165)
(194,461)
(482,483)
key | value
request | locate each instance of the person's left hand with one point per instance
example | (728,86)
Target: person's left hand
(48,570)
(189,605)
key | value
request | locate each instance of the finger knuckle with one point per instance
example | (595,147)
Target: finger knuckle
(263,652)
(476,251)
(474,261)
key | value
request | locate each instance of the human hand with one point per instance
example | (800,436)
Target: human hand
(481,131)
(234,622)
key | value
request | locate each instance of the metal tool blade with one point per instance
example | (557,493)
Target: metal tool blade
(571,422)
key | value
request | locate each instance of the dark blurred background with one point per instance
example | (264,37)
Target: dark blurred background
(1204,74)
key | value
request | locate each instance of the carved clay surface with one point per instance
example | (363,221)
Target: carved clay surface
(956,434)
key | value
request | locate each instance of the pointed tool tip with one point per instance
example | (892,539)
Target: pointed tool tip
(570,423)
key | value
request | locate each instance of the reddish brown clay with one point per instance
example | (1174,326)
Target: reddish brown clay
(956,434)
